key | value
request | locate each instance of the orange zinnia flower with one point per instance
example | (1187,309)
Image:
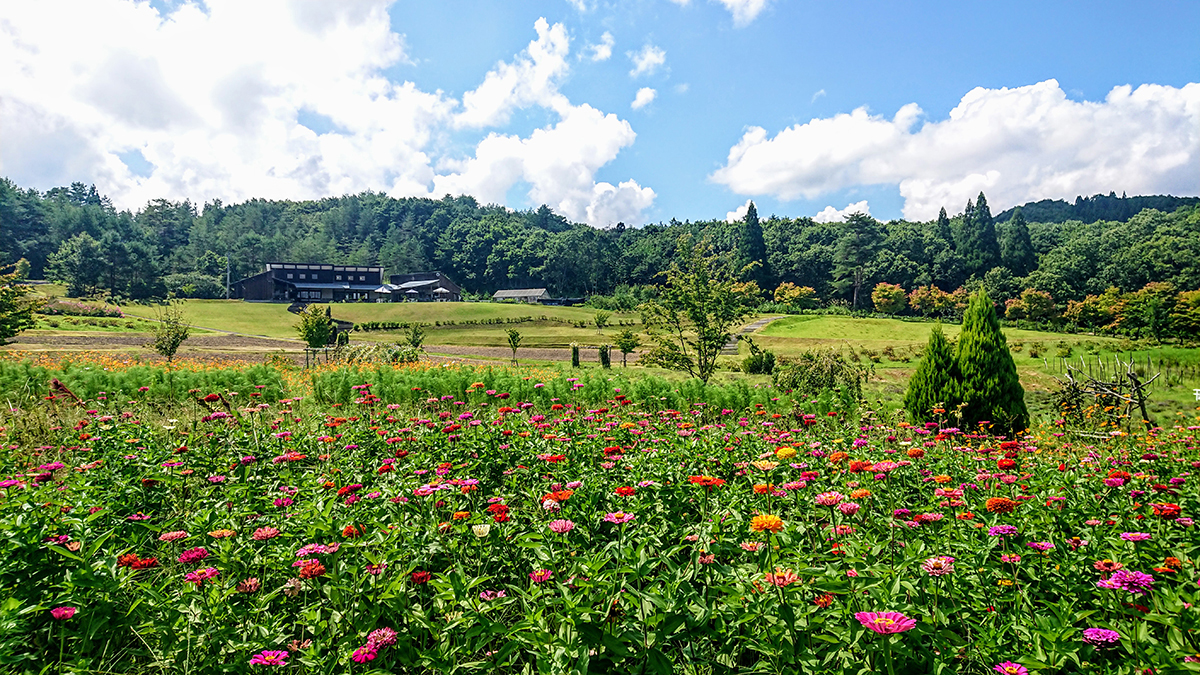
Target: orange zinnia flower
(764,488)
(1000,505)
(766,522)
(459,515)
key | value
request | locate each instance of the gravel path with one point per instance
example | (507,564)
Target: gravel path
(532,353)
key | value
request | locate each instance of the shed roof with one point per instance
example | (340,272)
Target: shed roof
(520,293)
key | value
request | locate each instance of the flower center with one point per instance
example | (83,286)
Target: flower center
(882,621)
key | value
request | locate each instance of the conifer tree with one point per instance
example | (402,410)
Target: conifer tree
(857,245)
(979,244)
(941,228)
(987,382)
(1016,248)
(934,382)
(752,248)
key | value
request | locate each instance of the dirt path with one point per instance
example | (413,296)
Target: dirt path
(531,353)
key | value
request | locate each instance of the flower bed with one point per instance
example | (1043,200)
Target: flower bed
(505,532)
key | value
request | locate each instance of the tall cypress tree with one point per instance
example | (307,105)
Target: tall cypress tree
(752,248)
(934,382)
(1016,248)
(941,228)
(988,386)
(979,244)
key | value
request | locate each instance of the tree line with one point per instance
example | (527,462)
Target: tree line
(74,235)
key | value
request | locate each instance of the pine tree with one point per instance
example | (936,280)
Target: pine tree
(856,248)
(1016,249)
(988,387)
(934,382)
(979,244)
(752,248)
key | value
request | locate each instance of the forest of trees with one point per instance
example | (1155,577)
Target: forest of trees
(74,235)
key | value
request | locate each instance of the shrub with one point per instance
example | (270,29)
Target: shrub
(759,362)
(987,387)
(818,371)
(888,298)
(932,385)
(68,308)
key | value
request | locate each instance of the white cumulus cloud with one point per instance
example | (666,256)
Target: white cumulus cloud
(1016,145)
(832,215)
(643,98)
(297,105)
(646,60)
(739,213)
(602,50)
(743,11)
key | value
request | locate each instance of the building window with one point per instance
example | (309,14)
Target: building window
(289,275)
(339,277)
(302,276)
(361,278)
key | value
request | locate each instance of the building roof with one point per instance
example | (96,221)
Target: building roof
(519,293)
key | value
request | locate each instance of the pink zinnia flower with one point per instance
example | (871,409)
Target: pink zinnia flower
(540,575)
(1135,536)
(62,613)
(382,637)
(269,658)
(561,526)
(781,577)
(750,546)
(264,533)
(173,536)
(938,565)
(1101,637)
(618,517)
(849,508)
(886,623)
(829,498)
(1010,668)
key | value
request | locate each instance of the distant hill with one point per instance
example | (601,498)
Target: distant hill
(1095,208)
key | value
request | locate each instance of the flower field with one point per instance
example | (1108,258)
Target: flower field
(443,521)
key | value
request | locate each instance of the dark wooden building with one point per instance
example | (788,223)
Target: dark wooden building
(305,282)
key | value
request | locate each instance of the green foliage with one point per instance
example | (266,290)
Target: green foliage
(933,384)
(605,357)
(627,341)
(987,386)
(574,355)
(16,307)
(817,371)
(695,312)
(978,242)
(170,331)
(316,328)
(760,361)
(802,297)
(194,285)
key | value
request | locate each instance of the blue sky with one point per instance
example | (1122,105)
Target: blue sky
(824,106)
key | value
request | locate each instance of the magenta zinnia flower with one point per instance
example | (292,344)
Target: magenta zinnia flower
(1010,668)
(382,637)
(829,498)
(1135,536)
(1101,637)
(62,613)
(886,623)
(269,658)
(540,576)
(1138,583)
(193,555)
